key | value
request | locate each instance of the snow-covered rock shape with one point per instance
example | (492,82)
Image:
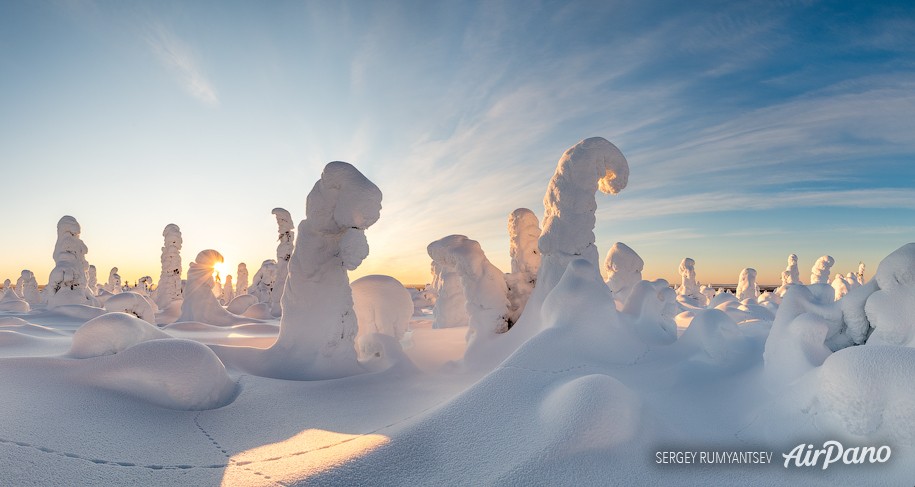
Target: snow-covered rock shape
(450,309)
(484,286)
(199,302)
(11,302)
(114,281)
(264,280)
(228,291)
(570,205)
(241,279)
(133,304)
(624,271)
(819,273)
(523,233)
(28,287)
(318,327)
(68,281)
(746,285)
(283,254)
(382,305)
(169,287)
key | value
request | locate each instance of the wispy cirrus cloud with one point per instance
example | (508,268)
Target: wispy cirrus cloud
(179,58)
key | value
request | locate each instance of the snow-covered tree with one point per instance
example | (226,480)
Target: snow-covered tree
(569,206)
(68,282)
(624,270)
(523,233)
(819,273)
(114,281)
(92,282)
(241,286)
(10,301)
(689,285)
(450,308)
(28,288)
(746,285)
(169,287)
(283,254)
(860,275)
(228,292)
(199,302)
(263,282)
(483,283)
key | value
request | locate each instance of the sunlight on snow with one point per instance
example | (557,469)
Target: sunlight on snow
(310,452)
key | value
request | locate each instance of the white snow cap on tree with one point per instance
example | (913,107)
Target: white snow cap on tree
(241,286)
(28,287)
(484,285)
(624,270)
(68,282)
(746,285)
(689,285)
(283,254)
(819,273)
(264,280)
(199,302)
(450,309)
(318,327)
(169,288)
(569,206)
(523,233)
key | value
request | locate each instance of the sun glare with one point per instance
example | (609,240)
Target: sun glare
(222,269)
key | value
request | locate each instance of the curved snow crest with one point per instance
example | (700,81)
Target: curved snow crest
(569,204)
(199,302)
(318,327)
(112,333)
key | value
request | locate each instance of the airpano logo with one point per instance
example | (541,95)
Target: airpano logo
(832,452)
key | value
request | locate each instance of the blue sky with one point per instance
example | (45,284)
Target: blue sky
(753,129)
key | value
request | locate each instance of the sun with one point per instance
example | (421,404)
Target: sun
(222,269)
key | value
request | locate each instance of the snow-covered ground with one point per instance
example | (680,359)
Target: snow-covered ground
(551,376)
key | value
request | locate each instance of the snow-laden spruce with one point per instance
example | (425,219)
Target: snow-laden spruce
(169,287)
(283,254)
(790,276)
(228,291)
(624,271)
(819,273)
(263,281)
(382,305)
(746,285)
(570,205)
(483,283)
(68,282)
(114,281)
(689,285)
(241,279)
(199,302)
(523,233)
(27,286)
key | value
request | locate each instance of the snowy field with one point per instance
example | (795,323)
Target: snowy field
(547,374)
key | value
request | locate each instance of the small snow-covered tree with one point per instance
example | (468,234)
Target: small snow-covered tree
(819,273)
(689,285)
(283,254)
(523,232)
(199,302)
(114,281)
(169,287)
(746,285)
(484,285)
(450,308)
(228,292)
(263,282)
(28,288)
(241,286)
(143,285)
(624,270)
(860,275)
(68,282)
(790,276)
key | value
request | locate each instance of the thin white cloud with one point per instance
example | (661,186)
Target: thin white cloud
(178,57)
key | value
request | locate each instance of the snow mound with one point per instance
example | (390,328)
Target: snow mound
(259,311)
(133,304)
(591,412)
(241,303)
(112,333)
(380,352)
(382,305)
(890,310)
(797,340)
(171,373)
(651,308)
(11,302)
(867,392)
(714,338)
(19,325)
